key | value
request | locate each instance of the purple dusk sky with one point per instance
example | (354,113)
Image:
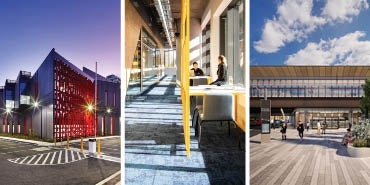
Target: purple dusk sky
(82,31)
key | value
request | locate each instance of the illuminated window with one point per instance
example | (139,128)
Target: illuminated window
(114,99)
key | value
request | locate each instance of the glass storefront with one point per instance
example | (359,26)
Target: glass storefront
(334,118)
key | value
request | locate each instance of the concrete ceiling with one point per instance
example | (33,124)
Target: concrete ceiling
(148,11)
(197,8)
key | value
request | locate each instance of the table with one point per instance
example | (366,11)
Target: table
(239,95)
(209,79)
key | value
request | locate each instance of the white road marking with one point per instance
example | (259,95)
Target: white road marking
(60,157)
(23,160)
(66,156)
(56,158)
(46,158)
(37,161)
(31,159)
(52,159)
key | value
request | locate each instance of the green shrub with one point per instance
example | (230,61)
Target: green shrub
(360,143)
(361,133)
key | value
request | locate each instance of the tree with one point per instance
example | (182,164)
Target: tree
(365,100)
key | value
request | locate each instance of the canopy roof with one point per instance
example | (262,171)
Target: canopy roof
(309,71)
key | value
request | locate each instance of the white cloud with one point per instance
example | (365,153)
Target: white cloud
(294,21)
(335,10)
(346,50)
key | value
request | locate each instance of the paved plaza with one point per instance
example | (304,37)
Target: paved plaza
(34,162)
(317,159)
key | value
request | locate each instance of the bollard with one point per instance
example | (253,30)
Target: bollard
(67,141)
(55,141)
(98,146)
(82,144)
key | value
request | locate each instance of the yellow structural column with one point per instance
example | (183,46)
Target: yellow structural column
(184,48)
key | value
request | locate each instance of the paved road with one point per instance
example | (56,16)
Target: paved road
(317,159)
(110,146)
(28,163)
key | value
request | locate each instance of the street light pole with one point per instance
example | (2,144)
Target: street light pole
(41,120)
(96,88)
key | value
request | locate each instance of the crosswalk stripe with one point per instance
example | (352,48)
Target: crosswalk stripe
(60,156)
(31,159)
(66,156)
(46,158)
(23,160)
(78,155)
(73,157)
(39,159)
(52,159)
(42,159)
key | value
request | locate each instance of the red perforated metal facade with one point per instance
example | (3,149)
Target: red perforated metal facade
(73,92)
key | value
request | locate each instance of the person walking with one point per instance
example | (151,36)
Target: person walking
(283,131)
(347,137)
(300,129)
(318,128)
(308,125)
(323,127)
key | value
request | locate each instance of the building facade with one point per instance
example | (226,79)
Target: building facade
(57,101)
(328,94)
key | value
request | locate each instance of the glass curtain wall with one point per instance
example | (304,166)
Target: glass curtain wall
(232,42)
(334,118)
(306,88)
(169,57)
(147,65)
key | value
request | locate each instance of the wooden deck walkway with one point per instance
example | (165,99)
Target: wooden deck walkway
(317,159)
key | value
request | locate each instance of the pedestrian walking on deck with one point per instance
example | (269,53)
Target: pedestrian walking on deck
(283,131)
(323,127)
(300,129)
(318,128)
(347,137)
(308,125)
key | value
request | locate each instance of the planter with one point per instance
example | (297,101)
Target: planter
(358,152)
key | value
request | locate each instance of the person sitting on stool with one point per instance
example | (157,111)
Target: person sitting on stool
(221,71)
(197,71)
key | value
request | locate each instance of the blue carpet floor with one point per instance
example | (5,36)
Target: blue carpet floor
(155,150)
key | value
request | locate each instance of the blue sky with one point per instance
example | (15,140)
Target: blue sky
(309,32)
(82,31)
